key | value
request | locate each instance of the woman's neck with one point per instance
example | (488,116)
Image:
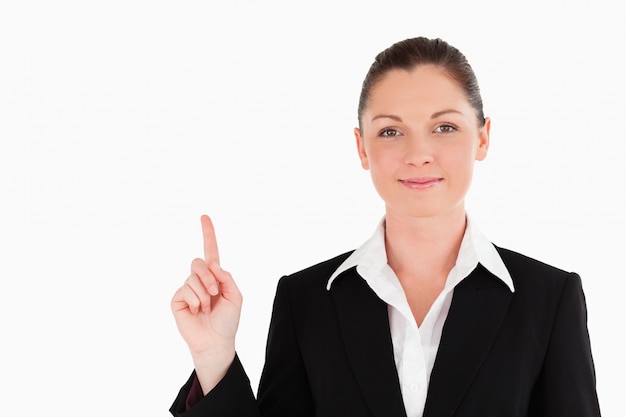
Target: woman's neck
(423,246)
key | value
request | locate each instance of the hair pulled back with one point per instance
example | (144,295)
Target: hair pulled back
(409,53)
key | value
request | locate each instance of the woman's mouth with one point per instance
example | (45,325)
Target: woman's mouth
(421,183)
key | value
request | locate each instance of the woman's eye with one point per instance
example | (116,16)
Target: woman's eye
(389,133)
(445,129)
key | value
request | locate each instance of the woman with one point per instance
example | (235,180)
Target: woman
(427,318)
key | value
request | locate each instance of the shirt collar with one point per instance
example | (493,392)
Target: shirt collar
(371,257)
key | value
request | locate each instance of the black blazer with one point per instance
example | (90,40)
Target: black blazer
(330,354)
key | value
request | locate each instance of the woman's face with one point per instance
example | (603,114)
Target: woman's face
(420,137)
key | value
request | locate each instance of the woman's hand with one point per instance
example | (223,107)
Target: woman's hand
(207,309)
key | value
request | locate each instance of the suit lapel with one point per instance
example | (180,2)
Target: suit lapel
(478,307)
(364,323)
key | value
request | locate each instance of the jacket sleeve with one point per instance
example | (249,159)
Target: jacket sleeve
(231,397)
(567,383)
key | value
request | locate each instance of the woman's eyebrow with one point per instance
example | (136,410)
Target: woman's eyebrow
(387,116)
(399,119)
(442,112)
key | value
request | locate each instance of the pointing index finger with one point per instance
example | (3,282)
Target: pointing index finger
(210,242)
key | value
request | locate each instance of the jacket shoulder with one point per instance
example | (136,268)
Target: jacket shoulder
(313,279)
(526,271)
(517,260)
(319,271)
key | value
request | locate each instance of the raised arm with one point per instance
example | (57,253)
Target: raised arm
(207,309)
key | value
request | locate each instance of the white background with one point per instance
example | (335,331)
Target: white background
(121,122)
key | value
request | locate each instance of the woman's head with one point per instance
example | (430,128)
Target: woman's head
(411,53)
(421,128)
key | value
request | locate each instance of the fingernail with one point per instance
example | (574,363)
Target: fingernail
(213,290)
(215,265)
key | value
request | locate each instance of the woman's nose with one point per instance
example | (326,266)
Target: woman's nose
(418,151)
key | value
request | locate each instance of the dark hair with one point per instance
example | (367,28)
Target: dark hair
(410,53)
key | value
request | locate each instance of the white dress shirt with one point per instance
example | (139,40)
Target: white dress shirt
(415,348)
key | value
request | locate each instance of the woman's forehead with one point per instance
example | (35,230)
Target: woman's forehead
(422,86)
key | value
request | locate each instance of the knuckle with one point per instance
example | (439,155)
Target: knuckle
(177,296)
(193,302)
(189,281)
(197,263)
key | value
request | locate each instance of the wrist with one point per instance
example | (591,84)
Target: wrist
(211,366)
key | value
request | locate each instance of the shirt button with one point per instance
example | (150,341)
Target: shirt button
(414,387)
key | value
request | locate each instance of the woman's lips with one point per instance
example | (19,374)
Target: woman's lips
(421,183)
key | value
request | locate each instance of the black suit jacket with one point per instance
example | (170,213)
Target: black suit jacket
(329,353)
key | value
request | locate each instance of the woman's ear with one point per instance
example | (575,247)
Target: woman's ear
(361,148)
(483,140)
